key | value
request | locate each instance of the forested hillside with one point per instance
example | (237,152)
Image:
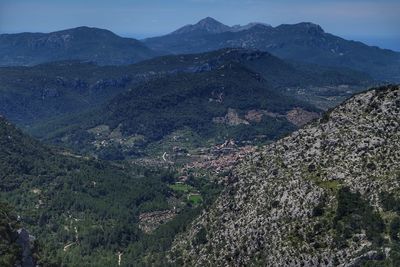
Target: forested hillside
(33,95)
(231,102)
(84,211)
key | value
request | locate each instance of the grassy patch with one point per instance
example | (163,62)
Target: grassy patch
(330,185)
(180,187)
(195,198)
(316,177)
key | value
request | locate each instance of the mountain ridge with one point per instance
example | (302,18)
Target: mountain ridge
(240,94)
(326,195)
(207,24)
(303,41)
(81,43)
(151,111)
(29,95)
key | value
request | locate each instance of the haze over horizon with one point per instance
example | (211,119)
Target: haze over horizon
(372,22)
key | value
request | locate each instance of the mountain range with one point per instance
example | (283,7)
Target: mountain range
(306,42)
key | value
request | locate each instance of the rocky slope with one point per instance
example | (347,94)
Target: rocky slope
(327,195)
(82,43)
(304,41)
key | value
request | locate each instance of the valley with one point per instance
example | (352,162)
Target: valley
(213,145)
(66,202)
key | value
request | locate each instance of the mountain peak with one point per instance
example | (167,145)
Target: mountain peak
(303,26)
(208,21)
(87,30)
(208,24)
(310,25)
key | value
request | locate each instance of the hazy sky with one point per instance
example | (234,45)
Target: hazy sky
(375,22)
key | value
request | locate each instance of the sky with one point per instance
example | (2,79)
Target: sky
(375,22)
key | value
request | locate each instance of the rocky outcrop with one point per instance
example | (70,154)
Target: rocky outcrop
(318,197)
(150,221)
(231,118)
(297,116)
(17,246)
(26,242)
(300,117)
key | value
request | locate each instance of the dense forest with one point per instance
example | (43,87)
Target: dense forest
(86,210)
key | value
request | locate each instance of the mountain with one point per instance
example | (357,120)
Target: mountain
(206,25)
(236,28)
(326,195)
(86,212)
(82,43)
(218,99)
(209,25)
(32,95)
(212,105)
(306,42)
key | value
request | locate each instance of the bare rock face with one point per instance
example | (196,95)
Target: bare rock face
(150,221)
(297,116)
(231,118)
(300,117)
(254,115)
(324,196)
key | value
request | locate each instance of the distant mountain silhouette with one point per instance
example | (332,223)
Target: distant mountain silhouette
(208,25)
(82,43)
(300,42)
